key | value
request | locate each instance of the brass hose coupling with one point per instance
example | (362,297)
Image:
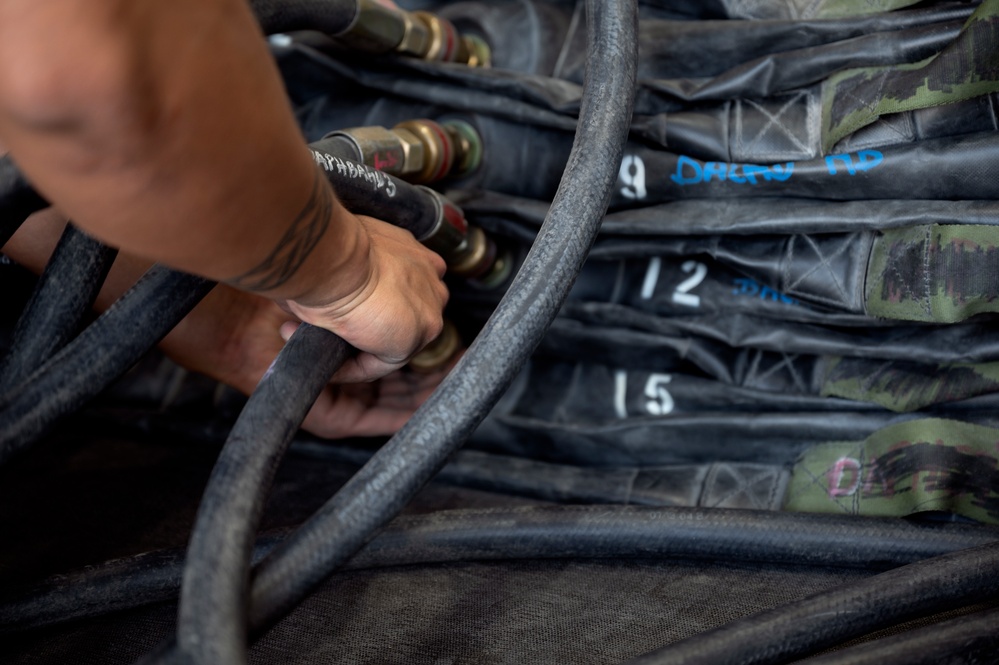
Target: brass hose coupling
(381,27)
(439,352)
(466,249)
(420,151)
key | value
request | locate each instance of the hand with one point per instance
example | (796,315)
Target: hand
(234,337)
(393,307)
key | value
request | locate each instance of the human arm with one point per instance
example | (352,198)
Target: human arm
(233,337)
(163,129)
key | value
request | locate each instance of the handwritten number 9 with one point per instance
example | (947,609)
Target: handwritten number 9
(632,175)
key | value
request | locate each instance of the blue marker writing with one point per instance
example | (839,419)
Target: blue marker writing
(865,160)
(691,172)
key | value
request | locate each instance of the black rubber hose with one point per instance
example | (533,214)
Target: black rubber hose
(971,639)
(381,489)
(549,532)
(329,16)
(60,304)
(211,624)
(212,618)
(831,617)
(366,191)
(18,199)
(105,350)
(114,586)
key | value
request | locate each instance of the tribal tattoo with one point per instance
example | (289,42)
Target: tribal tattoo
(295,246)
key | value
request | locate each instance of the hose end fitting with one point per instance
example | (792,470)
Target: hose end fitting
(467,146)
(451,229)
(381,27)
(396,153)
(466,249)
(475,258)
(478,52)
(436,355)
(438,149)
(420,151)
(443,43)
(377,28)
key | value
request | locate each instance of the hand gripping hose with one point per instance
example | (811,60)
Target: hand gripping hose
(384,485)
(59,387)
(409,460)
(548,532)
(60,304)
(802,628)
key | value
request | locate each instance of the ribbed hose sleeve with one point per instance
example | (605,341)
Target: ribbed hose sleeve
(966,640)
(834,616)
(62,299)
(381,489)
(100,354)
(18,199)
(329,16)
(549,532)
(211,625)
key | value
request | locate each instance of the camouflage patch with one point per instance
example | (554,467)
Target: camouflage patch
(907,386)
(917,466)
(966,68)
(935,273)
(845,8)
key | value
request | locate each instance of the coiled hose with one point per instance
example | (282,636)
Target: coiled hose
(211,623)
(59,305)
(405,463)
(549,532)
(824,620)
(59,387)
(100,354)
(409,460)
(966,640)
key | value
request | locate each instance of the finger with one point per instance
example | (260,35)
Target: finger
(288,329)
(364,368)
(338,415)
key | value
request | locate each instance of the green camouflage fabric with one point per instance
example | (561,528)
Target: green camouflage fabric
(907,386)
(934,273)
(917,466)
(966,68)
(810,9)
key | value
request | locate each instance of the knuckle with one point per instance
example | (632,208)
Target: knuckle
(434,328)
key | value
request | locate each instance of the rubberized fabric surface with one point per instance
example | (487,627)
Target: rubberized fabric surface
(779,313)
(586,611)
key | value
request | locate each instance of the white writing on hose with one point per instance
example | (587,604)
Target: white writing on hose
(347,169)
(632,176)
(659,401)
(682,293)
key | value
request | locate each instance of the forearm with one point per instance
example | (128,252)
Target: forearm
(212,339)
(172,114)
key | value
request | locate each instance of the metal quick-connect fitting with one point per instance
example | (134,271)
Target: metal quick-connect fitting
(377,28)
(438,149)
(381,27)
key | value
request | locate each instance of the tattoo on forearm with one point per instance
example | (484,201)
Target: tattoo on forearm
(295,246)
